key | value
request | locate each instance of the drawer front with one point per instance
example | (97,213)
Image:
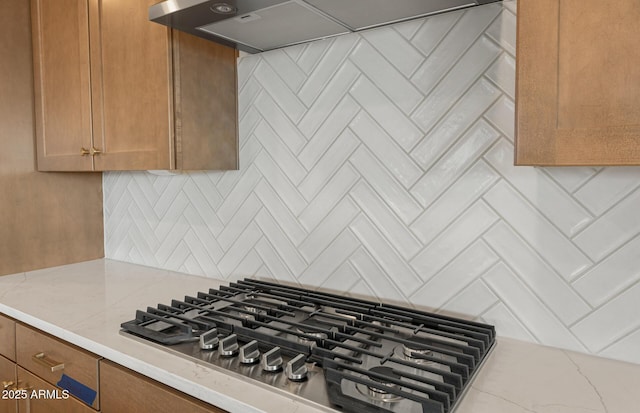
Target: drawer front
(42,397)
(127,391)
(50,359)
(8,338)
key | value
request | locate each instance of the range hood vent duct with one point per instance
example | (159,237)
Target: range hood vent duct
(259,25)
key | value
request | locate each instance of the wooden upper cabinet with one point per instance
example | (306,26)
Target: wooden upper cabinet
(148,97)
(578,83)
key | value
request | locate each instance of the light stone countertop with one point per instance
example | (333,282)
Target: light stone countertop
(85,303)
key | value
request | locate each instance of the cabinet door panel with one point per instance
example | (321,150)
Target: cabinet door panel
(8,376)
(61,71)
(123,390)
(578,88)
(132,104)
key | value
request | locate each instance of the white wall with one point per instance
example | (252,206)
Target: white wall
(380,164)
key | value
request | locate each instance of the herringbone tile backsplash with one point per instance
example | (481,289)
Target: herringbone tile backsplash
(380,164)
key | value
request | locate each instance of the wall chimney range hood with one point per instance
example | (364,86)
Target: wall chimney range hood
(259,25)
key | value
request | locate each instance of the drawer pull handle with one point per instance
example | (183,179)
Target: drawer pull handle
(43,360)
(7,384)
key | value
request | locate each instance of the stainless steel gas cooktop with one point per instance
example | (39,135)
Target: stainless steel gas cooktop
(347,354)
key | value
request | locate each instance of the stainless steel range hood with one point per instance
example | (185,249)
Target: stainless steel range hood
(259,25)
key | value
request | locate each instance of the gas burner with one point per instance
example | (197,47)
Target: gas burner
(415,353)
(379,394)
(251,311)
(312,327)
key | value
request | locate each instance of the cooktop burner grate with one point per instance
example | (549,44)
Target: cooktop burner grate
(363,355)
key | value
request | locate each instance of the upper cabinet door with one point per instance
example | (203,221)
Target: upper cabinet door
(578,83)
(132,102)
(62,77)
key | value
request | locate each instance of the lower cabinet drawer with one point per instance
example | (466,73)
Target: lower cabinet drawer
(123,390)
(42,397)
(7,337)
(59,363)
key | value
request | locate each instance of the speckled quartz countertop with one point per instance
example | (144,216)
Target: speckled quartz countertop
(85,303)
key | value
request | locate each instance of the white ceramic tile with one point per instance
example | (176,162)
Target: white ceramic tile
(462,232)
(247,95)
(337,187)
(342,279)
(503,31)
(610,322)
(389,153)
(330,259)
(625,349)
(458,197)
(287,161)
(242,189)
(322,235)
(608,187)
(454,163)
(472,64)
(311,55)
(385,185)
(329,97)
(385,220)
(611,276)
(326,68)
(280,183)
(280,123)
(571,178)
(456,276)
(502,116)
(285,249)
(503,74)
(334,157)
(246,66)
(243,245)
(473,300)
(396,49)
(537,275)
(279,211)
(249,265)
(243,216)
(273,262)
(382,109)
(431,32)
(385,255)
(336,123)
(611,230)
(534,228)
(409,28)
(467,111)
(275,86)
(388,80)
(508,324)
(556,204)
(455,42)
(528,308)
(378,281)
(287,69)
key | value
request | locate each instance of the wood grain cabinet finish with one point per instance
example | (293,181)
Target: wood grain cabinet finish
(8,380)
(7,338)
(117,92)
(578,83)
(50,358)
(123,390)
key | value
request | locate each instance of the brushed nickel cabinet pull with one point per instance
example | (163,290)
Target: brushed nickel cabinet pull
(45,361)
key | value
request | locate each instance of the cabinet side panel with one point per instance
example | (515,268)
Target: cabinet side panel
(206,110)
(47,219)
